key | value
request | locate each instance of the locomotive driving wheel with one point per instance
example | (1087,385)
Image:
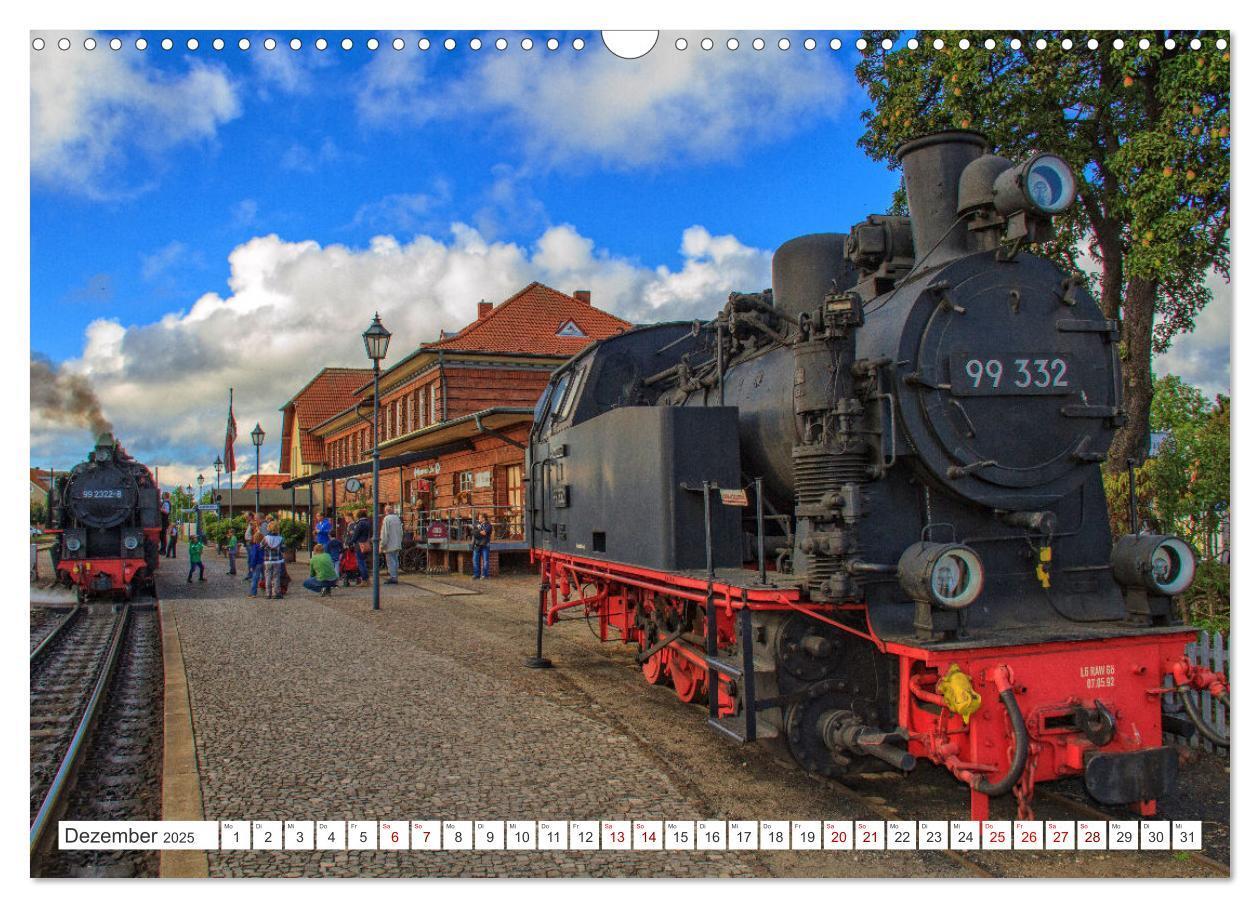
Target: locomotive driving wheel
(654,669)
(689,680)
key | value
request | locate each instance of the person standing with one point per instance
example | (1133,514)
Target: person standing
(323,575)
(174,541)
(482,531)
(361,538)
(273,559)
(323,530)
(195,545)
(166,519)
(255,564)
(391,541)
(232,543)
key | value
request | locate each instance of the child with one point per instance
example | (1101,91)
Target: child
(231,554)
(334,550)
(195,545)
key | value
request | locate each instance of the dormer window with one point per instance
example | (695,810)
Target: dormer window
(570,329)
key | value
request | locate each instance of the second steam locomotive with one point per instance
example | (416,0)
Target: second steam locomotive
(862,514)
(105,516)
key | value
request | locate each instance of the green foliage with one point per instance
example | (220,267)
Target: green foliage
(220,529)
(293,532)
(39,513)
(1184,490)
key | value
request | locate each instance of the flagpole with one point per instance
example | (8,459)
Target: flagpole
(232,461)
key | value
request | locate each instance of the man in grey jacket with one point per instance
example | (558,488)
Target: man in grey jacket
(391,541)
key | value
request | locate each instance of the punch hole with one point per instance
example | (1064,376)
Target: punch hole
(501,44)
(861,44)
(836,44)
(732,44)
(295,43)
(989,44)
(1170,44)
(886,44)
(38,44)
(63,44)
(398,44)
(1195,44)
(89,44)
(1016,44)
(424,44)
(1092,44)
(913,44)
(938,44)
(527,44)
(141,44)
(706,44)
(475,44)
(167,44)
(347,44)
(218,44)
(243,44)
(784,44)
(630,45)
(193,44)
(449,43)
(1041,44)
(1144,44)
(553,44)
(1067,43)
(578,44)
(115,44)
(964,44)
(373,44)
(1221,44)
(1118,44)
(810,43)
(758,44)
(269,43)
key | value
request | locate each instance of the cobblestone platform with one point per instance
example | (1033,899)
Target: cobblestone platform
(302,711)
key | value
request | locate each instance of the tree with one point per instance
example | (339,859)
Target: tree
(1146,132)
(1183,489)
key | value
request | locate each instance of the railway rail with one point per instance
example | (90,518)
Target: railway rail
(47,623)
(71,672)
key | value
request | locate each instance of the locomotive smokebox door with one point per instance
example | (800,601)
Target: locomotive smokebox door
(626,470)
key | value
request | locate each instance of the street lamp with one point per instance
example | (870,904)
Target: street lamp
(376,342)
(218,468)
(188,490)
(201,480)
(257,437)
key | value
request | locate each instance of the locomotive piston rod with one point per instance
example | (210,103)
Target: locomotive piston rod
(843,732)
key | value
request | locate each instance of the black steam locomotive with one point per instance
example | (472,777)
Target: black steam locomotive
(863,513)
(105,514)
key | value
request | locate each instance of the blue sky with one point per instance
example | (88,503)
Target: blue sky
(205,219)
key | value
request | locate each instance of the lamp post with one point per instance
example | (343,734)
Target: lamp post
(257,437)
(376,342)
(218,468)
(201,480)
(188,490)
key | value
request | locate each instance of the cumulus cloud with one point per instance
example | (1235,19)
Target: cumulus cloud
(403,212)
(1202,357)
(93,111)
(294,307)
(664,107)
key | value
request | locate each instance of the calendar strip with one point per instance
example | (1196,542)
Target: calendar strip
(634,835)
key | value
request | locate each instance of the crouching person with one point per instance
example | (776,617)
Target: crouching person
(323,575)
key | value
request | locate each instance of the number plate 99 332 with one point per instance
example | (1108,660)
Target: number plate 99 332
(1011,373)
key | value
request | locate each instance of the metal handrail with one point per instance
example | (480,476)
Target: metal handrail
(69,763)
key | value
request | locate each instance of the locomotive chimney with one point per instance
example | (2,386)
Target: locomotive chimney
(931,167)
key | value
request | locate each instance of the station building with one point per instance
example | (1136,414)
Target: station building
(454,423)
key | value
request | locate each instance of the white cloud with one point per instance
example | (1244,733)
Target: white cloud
(299,158)
(662,108)
(1202,357)
(403,212)
(295,307)
(92,111)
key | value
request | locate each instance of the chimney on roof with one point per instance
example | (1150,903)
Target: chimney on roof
(483,309)
(583,296)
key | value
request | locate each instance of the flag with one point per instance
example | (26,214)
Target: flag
(229,445)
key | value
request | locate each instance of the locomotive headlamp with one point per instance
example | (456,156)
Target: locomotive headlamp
(947,575)
(74,543)
(131,542)
(1043,184)
(1160,564)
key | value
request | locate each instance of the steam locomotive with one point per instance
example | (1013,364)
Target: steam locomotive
(105,516)
(862,514)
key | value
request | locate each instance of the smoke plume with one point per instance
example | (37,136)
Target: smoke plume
(63,398)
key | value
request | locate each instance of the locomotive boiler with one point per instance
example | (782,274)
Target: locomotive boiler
(105,517)
(861,513)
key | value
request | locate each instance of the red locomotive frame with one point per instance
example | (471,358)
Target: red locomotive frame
(105,575)
(1124,674)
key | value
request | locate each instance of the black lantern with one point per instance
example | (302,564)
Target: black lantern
(376,339)
(257,435)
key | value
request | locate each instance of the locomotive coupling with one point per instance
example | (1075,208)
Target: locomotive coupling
(842,731)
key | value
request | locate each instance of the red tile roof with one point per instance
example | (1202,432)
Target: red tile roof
(266,481)
(325,395)
(529,322)
(39,478)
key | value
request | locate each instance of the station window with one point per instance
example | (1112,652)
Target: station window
(466,481)
(433,402)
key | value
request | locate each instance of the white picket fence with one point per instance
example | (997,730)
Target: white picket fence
(1211,650)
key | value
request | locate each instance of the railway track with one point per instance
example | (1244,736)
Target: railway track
(71,671)
(47,623)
